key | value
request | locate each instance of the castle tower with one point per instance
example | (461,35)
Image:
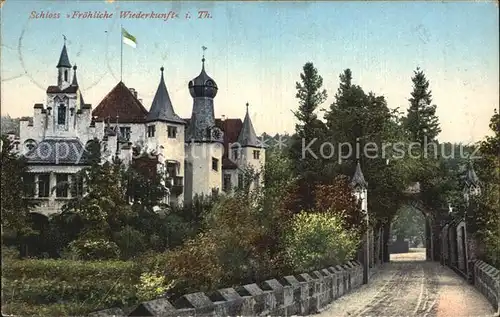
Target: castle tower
(165,133)
(204,141)
(63,69)
(64,102)
(248,152)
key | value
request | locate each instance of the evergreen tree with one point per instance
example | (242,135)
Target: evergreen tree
(421,120)
(307,166)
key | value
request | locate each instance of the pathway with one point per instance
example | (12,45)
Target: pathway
(410,286)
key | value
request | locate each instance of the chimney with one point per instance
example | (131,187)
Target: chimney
(223,118)
(133,91)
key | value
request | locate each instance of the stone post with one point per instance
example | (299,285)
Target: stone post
(360,191)
(472,189)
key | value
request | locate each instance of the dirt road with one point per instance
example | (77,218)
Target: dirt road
(410,286)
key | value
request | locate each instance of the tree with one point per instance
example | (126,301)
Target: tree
(488,167)
(421,120)
(308,128)
(102,206)
(409,223)
(15,206)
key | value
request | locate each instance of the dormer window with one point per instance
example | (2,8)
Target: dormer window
(61,114)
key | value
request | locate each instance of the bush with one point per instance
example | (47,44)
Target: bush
(95,249)
(152,285)
(10,253)
(319,240)
(130,242)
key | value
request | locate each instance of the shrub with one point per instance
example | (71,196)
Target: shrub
(10,253)
(318,240)
(95,249)
(152,285)
(130,242)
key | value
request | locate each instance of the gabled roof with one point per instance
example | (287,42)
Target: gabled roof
(121,102)
(58,152)
(161,108)
(358,179)
(63,59)
(247,136)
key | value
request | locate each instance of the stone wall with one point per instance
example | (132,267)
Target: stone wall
(301,294)
(487,281)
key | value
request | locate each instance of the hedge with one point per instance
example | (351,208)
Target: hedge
(66,287)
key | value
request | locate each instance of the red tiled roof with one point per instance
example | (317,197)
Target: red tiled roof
(231,129)
(122,103)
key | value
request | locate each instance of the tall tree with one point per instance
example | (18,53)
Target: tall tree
(307,163)
(15,206)
(421,120)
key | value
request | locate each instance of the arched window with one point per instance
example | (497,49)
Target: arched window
(61,114)
(65,75)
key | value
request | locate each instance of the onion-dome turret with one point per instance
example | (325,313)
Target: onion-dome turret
(203,85)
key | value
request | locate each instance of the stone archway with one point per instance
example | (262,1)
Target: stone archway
(433,225)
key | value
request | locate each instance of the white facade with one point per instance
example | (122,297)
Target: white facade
(64,124)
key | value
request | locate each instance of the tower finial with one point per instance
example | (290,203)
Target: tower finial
(64,37)
(247,106)
(204,48)
(161,69)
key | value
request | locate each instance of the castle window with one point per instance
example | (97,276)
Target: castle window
(65,75)
(256,154)
(235,154)
(215,164)
(172,132)
(227,183)
(151,131)
(77,185)
(171,169)
(29,185)
(61,114)
(62,185)
(125,133)
(43,185)
(240,181)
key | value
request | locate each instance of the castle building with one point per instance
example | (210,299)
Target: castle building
(198,155)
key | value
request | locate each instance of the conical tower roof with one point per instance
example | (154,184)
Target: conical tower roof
(359,179)
(247,136)
(63,59)
(161,108)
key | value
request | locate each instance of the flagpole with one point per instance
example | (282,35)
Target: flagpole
(121,52)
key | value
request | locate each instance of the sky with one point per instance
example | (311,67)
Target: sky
(256,51)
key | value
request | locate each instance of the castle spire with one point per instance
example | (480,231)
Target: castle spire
(63,58)
(75,81)
(247,136)
(161,108)
(358,179)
